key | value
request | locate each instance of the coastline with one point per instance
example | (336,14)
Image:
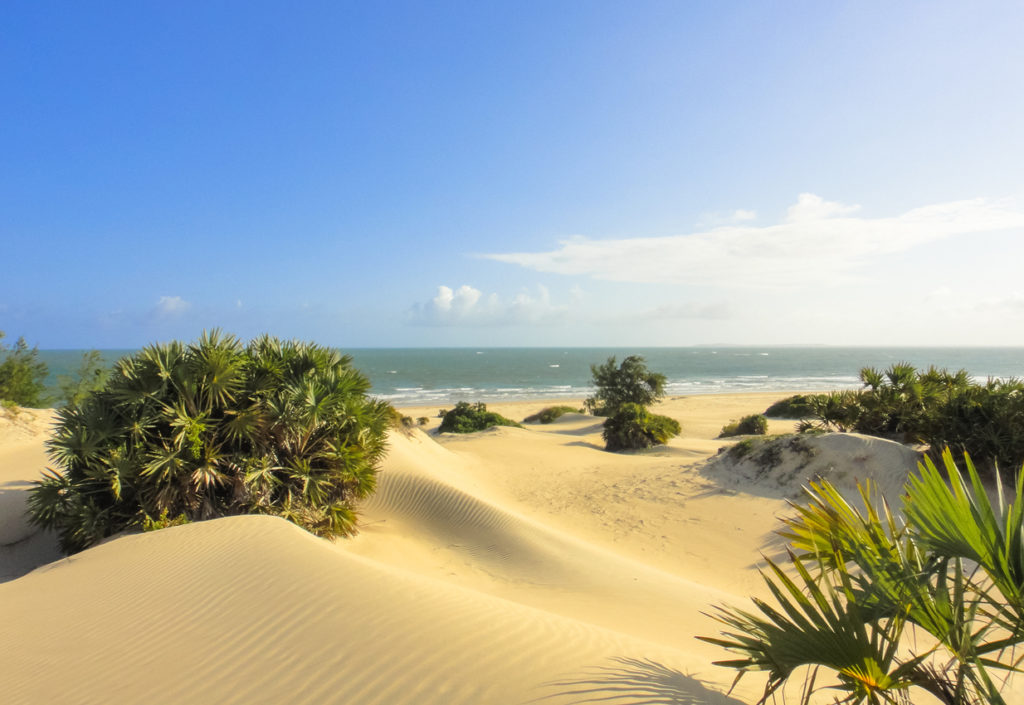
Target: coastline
(698,412)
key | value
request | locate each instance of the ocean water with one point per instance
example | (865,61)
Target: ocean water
(442,376)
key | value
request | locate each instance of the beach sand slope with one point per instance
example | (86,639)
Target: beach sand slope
(515,565)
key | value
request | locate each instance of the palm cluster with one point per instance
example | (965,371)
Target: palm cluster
(931,598)
(936,406)
(214,428)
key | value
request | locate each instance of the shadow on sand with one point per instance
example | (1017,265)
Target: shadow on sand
(637,682)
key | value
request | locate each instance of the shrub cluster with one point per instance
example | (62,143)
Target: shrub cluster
(213,428)
(753,425)
(22,374)
(467,418)
(633,427)
(623,395)
(797,406)
(551,413)
(936,407)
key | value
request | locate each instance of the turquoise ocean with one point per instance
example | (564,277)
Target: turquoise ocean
(442,376)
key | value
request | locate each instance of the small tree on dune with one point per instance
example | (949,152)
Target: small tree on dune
(22,374)
(623,394)
(213,428)
(628,383)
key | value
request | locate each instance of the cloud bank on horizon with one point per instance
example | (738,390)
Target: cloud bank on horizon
(468,306)
(818,241)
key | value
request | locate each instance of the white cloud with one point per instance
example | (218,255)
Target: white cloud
(171,305)
(456,304)
(809,207)
(468,306)
(713,220)
(818,242)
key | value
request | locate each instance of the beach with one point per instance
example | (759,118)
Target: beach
(512,565)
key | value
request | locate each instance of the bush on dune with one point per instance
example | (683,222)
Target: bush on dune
(753,425)
(551,413)
(214,428)
(469,418)
(91,376)
(623,394)
(633,427)
(936,407)
(22,374)
(797,406)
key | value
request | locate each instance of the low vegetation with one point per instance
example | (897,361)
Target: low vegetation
(22,375)
(183,432)
(753,425)
(468,418)
(623,394)
(551,413)
(935,407)
(90,377)
(766,453)
(797,406)
(880,605)
(633,427)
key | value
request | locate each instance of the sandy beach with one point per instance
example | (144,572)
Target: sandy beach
(514,565)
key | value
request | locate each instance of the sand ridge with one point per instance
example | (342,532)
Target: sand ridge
(515,565)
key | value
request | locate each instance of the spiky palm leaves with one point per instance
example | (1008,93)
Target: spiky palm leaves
(936,407)
(210,429)
(932,598)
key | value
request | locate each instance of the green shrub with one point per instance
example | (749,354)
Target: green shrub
(90,377)
(163,521)
(467,418)
(22,374)
(214,428)
(629,383)
(753,425)
(395,418)
(740,450)
(634,427)
(797,406)
(422,421)
(550,414)
(936,407)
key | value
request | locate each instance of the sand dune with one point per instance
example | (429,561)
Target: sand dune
(22,459)
(252,609)
(510,566)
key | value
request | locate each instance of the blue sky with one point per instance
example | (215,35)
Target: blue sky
(521,173)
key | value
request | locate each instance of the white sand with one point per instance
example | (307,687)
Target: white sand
(508,566)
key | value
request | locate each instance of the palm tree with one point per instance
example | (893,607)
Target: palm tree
(931,598)
(215,428)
